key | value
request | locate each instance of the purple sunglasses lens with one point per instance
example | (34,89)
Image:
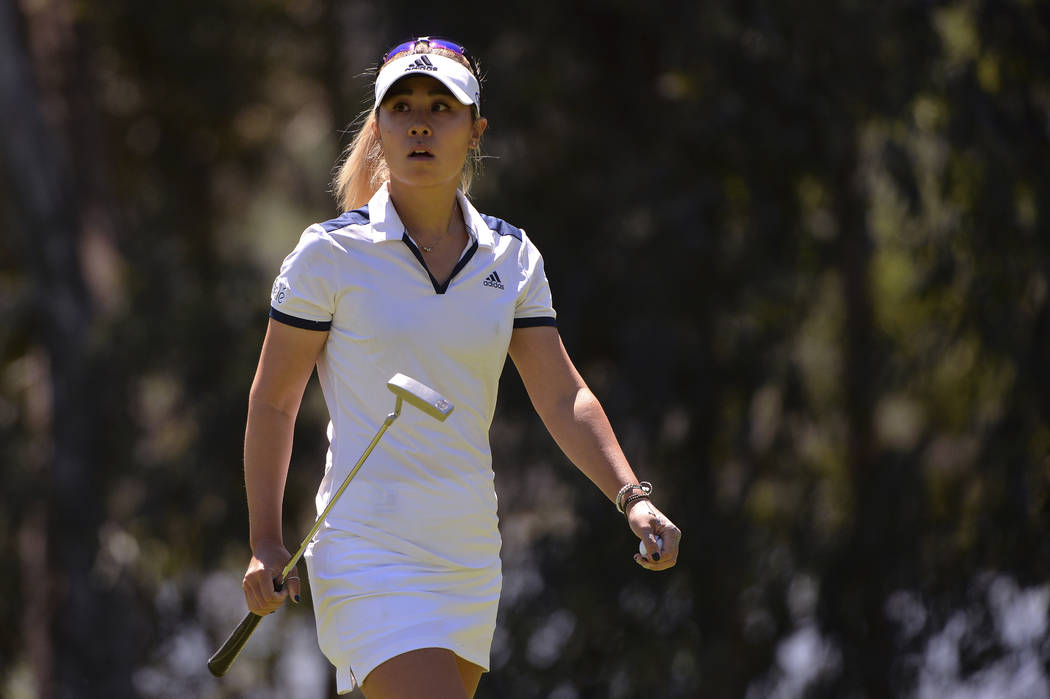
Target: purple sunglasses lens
(442,44)
(439,43)
(400,48)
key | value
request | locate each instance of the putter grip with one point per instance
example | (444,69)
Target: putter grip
(219,663)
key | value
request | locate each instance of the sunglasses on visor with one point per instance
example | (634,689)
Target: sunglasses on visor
(433,42)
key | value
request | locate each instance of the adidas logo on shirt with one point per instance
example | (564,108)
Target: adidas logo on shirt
(421,63)
(494,281)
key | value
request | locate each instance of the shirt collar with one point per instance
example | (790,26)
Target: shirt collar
(387,225)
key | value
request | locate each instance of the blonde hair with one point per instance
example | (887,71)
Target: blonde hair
(363,168)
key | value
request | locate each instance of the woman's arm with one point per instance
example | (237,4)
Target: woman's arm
(287,360)
(576,420)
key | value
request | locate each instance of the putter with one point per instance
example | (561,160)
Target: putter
(407,390)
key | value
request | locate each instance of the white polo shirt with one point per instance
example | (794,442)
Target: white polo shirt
(427,489)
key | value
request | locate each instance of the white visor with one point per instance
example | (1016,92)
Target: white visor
(452,74)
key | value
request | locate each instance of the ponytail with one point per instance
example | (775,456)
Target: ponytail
(363,170)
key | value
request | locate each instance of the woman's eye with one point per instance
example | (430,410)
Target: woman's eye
(406,107)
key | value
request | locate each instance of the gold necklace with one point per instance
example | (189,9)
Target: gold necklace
(426,248)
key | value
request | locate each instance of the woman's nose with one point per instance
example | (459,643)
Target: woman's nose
(419,128)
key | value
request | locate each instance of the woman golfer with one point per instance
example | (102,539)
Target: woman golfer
(405,573)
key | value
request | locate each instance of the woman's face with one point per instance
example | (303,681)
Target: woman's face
(425,132)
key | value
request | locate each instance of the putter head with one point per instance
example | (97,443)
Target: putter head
(423,397)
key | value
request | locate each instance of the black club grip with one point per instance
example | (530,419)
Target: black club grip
(219,663)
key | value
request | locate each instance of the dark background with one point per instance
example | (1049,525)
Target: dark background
(799,250)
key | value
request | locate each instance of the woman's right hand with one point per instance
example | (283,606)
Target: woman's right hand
(268,560)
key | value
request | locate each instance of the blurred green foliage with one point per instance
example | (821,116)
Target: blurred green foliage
(800,251)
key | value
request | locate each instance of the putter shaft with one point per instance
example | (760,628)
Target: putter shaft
(404,388)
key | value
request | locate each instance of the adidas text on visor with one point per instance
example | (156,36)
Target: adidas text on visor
(451,73)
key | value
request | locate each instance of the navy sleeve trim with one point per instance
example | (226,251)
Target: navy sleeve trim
(501,227)
(535,322)
(299,322)
(350,218)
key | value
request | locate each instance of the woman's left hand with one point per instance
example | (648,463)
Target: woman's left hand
(647,523)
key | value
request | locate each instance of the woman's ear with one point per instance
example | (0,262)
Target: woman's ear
(480,124)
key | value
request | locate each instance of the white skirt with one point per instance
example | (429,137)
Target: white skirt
(373,604)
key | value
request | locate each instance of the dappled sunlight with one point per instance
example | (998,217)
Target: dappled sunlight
(799,252)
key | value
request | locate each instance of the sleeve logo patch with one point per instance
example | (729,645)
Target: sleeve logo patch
(279,293)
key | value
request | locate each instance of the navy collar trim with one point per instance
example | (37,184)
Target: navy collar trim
(441,288)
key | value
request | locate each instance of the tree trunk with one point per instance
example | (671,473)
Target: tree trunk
(854,582)
(60,540)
